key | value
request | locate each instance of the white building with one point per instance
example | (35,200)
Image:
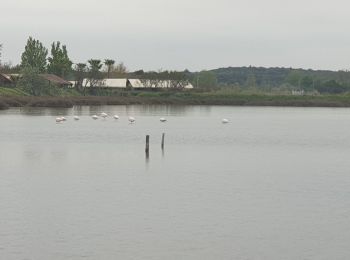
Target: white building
(107,83)
(298,92)
(134,83)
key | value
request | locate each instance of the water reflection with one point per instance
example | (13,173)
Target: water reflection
(80,110)
(128,110)
(37,111)
(165,109)
(147,158)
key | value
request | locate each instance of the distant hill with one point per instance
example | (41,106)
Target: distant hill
(275,77)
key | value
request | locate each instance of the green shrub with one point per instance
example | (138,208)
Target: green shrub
(12,92)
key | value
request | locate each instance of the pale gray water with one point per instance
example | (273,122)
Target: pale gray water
(274,183)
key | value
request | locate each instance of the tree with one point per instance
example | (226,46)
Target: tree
(294,78)
(94,74)
(120,69)
(59,62)
(251,80)
(205,79)
(79,74)
(109,64)
(34,55)
(32,83)
(163,79)
(150,80)
(178,80)
(139,72)
(306,83)
(331,87)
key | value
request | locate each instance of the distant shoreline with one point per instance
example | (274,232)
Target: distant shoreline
(186,99)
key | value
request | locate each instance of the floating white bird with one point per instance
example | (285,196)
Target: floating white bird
(59,119)
(116,117)
(104,115)
(95,117)
(131,119)
(162,119)
(76,118)
(63,118)
(224,121)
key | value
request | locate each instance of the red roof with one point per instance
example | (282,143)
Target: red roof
(55,79)
(5,78)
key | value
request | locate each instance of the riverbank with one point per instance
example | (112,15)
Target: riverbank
(181,98)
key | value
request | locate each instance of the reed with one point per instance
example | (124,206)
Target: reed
(179,98)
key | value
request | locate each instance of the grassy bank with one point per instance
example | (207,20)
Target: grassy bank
(12,92)
(178,99)
(18,98)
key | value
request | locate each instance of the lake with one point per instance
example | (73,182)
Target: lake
(273,183)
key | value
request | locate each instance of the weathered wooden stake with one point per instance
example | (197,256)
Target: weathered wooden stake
(163,141)
(147,145)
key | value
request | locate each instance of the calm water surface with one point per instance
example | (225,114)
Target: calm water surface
(274,183)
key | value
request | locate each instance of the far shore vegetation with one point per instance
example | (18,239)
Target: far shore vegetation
(24,85)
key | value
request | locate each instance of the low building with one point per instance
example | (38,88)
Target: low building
(56,80)
(135,83)
(6,80)
(160,84)
(11,79)
(105,83)
(125,83)
(298,92)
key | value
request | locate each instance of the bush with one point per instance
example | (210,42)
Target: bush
(331,87)
(32,83)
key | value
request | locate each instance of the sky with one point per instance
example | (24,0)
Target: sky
(184,34)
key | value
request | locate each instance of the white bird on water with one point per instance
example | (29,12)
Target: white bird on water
(116,117)
(104,115)
(59,119)
(162,119)
(225,121)
(76,118)
(94,117)
(131,119)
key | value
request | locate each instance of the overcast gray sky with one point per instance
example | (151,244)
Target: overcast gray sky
(179,34)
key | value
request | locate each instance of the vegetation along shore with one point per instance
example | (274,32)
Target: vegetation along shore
(54,80)
(178,98)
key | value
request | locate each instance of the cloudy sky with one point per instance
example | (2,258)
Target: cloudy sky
(179,34)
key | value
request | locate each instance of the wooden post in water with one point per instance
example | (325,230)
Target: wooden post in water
(163,141)
(147,146)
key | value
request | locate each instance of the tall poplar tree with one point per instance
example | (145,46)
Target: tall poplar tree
(59,62)
(34,55)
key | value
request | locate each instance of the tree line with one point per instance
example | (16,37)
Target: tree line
(322,81)
(36,60)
